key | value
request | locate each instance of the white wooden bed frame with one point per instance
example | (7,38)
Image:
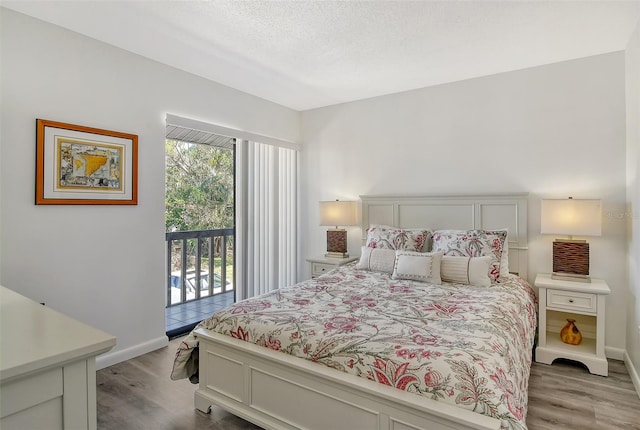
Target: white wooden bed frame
(278,391)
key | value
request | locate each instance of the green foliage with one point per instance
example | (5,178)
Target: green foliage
(199,187)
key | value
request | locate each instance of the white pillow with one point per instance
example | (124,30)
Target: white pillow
(504,261)
(466,270)
(376,259)
(418,266)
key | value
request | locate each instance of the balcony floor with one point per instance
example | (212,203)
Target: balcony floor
(180,319)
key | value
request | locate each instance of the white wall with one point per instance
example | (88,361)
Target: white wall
(633,200)
(552,131)
(103,265)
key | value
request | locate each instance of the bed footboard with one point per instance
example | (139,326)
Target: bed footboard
(277,391)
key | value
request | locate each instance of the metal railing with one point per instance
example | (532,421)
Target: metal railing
(192,281)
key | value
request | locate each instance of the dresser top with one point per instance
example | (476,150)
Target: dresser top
(35,337)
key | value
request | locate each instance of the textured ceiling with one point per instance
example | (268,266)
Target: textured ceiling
(308,54)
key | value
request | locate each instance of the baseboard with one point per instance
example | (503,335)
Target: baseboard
(633,373)
(614,353)
(111,358)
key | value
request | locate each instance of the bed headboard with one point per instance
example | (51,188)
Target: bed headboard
(456,212)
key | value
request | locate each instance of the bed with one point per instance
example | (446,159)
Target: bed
(363,347)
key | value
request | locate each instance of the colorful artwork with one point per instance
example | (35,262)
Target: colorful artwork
(78,165)
(88,165)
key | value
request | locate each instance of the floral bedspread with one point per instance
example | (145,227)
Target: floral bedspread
(469,346)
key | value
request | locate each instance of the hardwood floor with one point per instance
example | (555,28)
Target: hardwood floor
(138,394)
(566,396)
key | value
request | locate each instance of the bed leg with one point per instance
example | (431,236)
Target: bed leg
(201,403)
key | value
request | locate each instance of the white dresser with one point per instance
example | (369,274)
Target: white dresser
(47,367)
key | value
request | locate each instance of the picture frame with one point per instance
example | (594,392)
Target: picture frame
(78,165)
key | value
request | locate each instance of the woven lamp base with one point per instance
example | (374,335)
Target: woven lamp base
(337,243)
(571,260)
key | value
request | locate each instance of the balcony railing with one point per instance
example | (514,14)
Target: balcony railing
(191,264)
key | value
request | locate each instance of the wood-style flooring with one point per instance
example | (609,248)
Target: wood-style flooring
(138,394)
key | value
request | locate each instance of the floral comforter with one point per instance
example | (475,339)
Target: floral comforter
(469,346)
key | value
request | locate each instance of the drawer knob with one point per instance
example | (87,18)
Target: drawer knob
(570,300)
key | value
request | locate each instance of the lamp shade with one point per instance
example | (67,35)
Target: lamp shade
(337,213)
(572,217)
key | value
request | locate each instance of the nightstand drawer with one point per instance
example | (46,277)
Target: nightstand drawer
(319,268)
(570,301)
(322,265)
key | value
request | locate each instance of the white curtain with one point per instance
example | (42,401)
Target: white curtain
(266,218)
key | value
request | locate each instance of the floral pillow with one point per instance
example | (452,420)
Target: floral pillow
(472,243)
(387,237)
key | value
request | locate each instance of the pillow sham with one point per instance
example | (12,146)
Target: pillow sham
(472,243)
(377,259)
(388,237)
(418,266)
(466,270)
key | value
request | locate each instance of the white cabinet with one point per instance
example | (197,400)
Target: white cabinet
(47,367)
(560,300)
(321,265)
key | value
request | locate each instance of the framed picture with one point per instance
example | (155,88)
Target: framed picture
(78,165)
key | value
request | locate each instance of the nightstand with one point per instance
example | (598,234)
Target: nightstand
(583,302)
(321,265)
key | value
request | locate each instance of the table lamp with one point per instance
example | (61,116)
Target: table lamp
(571,217)
(337,213)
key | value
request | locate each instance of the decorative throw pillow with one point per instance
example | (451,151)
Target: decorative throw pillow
(388,237)
(472,243)
(504,261)
(418,266)
(377,260)
(466,270)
